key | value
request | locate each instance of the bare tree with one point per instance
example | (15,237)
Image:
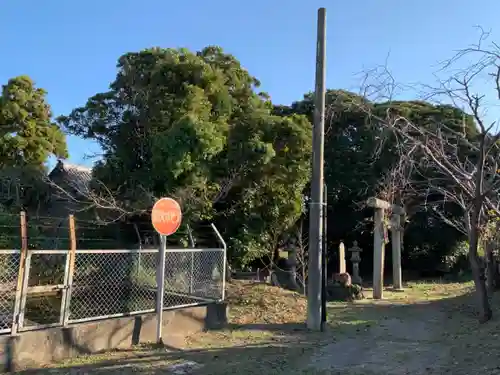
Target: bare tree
(111,205)
(301,256)
(96,196)
(441,163)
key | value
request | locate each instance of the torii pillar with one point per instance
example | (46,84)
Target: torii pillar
(379,246)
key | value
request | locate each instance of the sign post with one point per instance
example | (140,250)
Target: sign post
(166,218)
(160,289)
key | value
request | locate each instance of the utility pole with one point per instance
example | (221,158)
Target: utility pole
(324,278)
(315,279)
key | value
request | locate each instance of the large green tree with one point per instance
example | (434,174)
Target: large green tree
(28,137)
(192,126)
(356,163)
(27,134)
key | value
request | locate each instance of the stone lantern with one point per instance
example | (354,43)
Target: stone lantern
(355,260)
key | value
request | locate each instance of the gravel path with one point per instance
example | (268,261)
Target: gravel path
(392,348)
(411,336)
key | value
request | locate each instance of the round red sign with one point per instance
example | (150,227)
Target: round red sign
(166,216)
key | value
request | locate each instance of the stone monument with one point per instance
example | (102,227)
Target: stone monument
(355,251)
(342,266)
(379,240)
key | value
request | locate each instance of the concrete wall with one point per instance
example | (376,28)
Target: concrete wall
(35,348)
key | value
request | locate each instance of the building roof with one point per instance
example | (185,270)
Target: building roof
(77,177)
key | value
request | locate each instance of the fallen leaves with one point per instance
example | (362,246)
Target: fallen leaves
(252,303)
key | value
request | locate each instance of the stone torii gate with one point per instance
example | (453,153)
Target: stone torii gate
(396,227)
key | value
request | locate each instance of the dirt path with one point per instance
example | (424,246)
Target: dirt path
(395,347)
(385,341)
(441,336)
(430,329)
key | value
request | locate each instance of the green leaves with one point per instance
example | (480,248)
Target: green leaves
(27,138)
(27,134)
(191,126)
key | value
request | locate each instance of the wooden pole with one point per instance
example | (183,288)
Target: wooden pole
(21,272)
(69,272)
(72,236)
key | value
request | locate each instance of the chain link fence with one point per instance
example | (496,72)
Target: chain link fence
(43,289)
(45,284)
(105,284)
(9,271)
(110,283)
(193,275)
(102,284)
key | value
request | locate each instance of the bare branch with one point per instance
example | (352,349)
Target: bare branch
(435,164)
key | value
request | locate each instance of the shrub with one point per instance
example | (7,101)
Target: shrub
(456,261)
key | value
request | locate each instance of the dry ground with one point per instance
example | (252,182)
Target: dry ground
(428,329)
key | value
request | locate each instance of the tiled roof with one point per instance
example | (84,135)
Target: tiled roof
(76,176)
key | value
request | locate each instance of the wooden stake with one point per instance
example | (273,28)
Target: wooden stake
(69,271)
(22,270)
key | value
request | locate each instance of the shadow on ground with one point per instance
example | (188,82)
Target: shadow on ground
(448,328)
(245,359)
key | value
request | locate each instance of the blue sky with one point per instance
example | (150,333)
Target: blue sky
(70,48)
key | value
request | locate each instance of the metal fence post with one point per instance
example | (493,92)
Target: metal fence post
(160,289)
(22,271)
(224,261)
(193,245)
(191,273)
(24,291)
(68,273)
(140,248)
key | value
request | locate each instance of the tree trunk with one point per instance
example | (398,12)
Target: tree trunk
(276,254)
(490,269)
(292,263)
(497,275)
(480,284)
(472,222)
(229,272)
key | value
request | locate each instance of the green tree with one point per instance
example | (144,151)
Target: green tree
(356,163)
(27,134)
(28,137)
(269,198)
(192,126)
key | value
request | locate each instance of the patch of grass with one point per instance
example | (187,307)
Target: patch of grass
(416,292)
